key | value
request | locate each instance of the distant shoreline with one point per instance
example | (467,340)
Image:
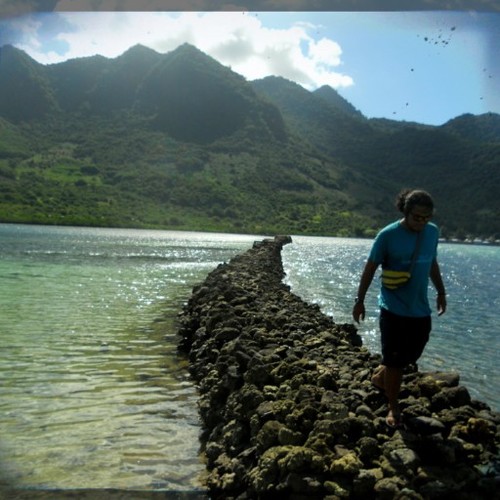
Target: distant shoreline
(138,228)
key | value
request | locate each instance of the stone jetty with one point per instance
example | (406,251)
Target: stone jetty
(288,410)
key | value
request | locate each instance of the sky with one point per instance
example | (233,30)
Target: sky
(425,66)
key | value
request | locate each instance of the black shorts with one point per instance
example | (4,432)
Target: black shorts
(403,338)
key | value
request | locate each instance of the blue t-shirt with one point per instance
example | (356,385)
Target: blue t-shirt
(393,249)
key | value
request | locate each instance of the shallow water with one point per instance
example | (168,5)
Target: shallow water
(94,394)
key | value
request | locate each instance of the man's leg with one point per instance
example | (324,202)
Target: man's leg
(392,385)
(378,377)
(388,379)
(393,329)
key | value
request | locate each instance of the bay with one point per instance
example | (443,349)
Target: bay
(93,392)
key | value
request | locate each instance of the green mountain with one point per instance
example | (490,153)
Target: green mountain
(455,162)
(482,129)
(179,141)
(25,90)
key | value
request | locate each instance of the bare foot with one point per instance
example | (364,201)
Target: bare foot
(393,419)
(377,379)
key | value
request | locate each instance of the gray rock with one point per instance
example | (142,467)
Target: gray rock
(426,425)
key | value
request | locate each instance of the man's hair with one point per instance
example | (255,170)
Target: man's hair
(409,198)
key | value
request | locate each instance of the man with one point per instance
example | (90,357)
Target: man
(405,314)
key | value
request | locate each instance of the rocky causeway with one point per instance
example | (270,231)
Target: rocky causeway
(288,410)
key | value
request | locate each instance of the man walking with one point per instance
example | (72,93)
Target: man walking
(406,247)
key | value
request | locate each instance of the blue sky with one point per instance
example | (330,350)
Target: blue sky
(426,67)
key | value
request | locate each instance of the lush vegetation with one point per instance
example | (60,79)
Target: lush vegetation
(179,141)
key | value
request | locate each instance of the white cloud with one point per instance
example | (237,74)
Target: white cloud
(29,27)
(236,39)
(325,52)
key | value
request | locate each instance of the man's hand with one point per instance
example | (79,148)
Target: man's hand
(358,311)
(441,304)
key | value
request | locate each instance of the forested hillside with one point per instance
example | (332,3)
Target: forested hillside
(179,141)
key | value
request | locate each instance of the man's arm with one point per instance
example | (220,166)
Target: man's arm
(358,310)
(437,281)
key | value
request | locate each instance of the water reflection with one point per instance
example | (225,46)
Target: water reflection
(93,393)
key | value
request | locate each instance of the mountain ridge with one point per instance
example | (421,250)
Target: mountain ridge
(145,131)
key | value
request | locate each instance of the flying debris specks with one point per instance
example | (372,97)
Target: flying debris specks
(485,70)
(443,38)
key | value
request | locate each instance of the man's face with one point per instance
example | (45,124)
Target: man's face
(418,217)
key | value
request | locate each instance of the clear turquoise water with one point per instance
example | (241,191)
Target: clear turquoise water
(93,393)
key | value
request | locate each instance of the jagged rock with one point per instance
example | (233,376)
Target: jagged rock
(450,397)
(268,436)
(426,425)
(388,488)
(349,465)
